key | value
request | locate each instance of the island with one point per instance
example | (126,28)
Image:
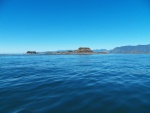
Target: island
(80,50)
(31,52)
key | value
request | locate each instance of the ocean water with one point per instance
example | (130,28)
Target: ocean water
(75,83)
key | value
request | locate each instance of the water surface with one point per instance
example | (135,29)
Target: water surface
(75,83)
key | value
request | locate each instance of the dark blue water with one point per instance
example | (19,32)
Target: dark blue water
(75,84)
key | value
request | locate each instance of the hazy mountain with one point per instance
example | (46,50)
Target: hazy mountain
(131,49)
(100,50)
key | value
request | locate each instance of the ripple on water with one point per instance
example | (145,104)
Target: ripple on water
(75,84)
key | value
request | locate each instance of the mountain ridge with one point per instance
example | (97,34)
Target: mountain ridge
(145,49)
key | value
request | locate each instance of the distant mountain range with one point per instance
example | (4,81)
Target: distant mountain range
(139,49)
(100,50)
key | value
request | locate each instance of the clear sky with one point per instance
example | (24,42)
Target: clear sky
(44,25)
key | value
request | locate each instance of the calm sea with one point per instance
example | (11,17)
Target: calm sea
(75,83)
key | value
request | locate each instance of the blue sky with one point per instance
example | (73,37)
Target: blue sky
(44,25)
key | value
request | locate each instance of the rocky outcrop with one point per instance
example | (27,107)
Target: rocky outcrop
(31,52)
(84,50)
